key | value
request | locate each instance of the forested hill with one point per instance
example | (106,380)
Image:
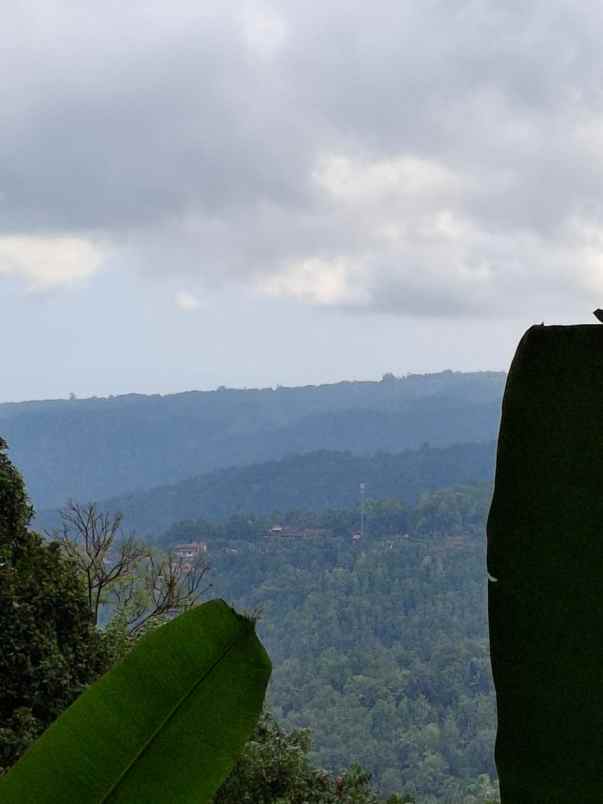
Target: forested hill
(315,481)
(96,448)
(379,646)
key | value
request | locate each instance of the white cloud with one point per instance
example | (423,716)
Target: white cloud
(46,262)
(264,31)
(318,281)
(438,158)
(187,301)
(352,180)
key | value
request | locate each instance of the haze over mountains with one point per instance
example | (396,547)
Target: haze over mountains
(93,449)
(314,481)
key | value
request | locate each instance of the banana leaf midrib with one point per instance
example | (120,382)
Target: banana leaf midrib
(106,797)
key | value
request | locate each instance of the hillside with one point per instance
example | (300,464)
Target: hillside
(379,646)
(315,481)
(97,448)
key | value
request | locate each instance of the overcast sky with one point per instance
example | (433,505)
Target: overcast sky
(196,194)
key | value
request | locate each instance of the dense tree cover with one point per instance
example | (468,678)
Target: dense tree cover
(379,647)
(97,448)
(312,482)
(49,649)
(15,509)
(274,769)
(458,507)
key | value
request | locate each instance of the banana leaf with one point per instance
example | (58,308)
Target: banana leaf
(545,562)
(164,725)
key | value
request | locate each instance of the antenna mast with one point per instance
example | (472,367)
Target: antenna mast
(362,492)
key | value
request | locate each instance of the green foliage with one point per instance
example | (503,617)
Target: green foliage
(49,650)
(461,510)
(275,769)
(313,482)
(15,509)
(546,552)
(165,724)
(380,647)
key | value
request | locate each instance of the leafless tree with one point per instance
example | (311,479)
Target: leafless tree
(142,585)
(94,540)
(166,586)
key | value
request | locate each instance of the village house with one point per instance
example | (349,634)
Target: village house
(191,550)
(188,554)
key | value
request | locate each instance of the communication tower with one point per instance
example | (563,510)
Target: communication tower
(362,513)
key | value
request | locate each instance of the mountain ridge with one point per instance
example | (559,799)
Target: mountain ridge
(313,481)
(97,449)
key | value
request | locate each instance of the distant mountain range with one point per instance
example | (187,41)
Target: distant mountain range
(94,449)
(314,481)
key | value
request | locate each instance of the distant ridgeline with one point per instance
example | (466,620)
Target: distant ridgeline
(92,449)
(315,481)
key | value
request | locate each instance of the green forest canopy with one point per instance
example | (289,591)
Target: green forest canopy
(316,481)
(379,647)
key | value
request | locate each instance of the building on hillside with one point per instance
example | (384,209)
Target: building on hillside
(188,554)
(289,532)
(191,550)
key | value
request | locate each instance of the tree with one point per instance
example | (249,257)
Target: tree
(89,539)
(164,585)
(15,509)
(274,769)
(49,648)
(141,732)
(139,585)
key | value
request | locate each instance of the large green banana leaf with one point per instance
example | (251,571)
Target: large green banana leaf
(165,725)
(545,560)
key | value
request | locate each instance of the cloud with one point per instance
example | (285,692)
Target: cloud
(187,301)
(441,158)
(317,281)
(264,31)
(46,262)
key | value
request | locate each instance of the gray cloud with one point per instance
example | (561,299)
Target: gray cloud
(441,157)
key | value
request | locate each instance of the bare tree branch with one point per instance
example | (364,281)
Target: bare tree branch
(173,585)
(140,584)
(94,540)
